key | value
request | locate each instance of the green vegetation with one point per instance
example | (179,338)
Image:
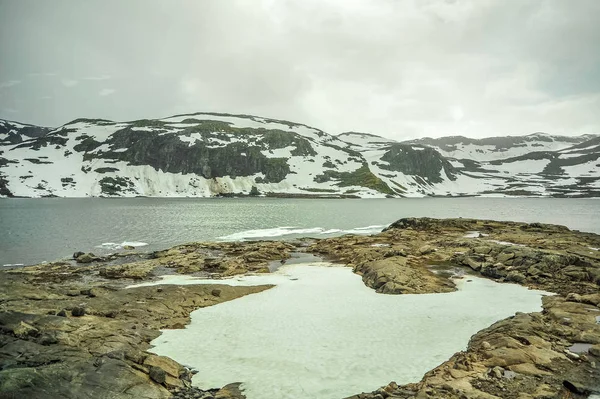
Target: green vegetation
(362,177)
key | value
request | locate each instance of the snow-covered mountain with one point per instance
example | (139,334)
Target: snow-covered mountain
(208,154)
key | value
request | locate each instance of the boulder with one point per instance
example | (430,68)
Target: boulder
(78,311)
(157,374)
(85,258)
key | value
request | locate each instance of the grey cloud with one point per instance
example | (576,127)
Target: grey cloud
(397,68)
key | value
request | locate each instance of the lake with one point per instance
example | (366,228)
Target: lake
(36,230)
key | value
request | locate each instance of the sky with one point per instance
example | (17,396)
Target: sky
(398,68)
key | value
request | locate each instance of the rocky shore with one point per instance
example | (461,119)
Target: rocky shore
(73,330)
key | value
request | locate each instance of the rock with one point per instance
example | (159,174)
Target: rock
(573,297)
(230,391)
(129,247)
(85,258)
(169,365)
(595,350)
(576,387)
(91,292)
(516,277)
(473,264)
(24,330)
(486,345)
(78,311)
(77,254)
(62,313)
(482,250)
(47,339)
(157,374)
(571,355)
(505,256)
(216,292)
(136,356)
(426,250)
(496,372)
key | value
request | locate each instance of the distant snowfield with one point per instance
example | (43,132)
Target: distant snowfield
(321,333)
(89,158)
(291,230)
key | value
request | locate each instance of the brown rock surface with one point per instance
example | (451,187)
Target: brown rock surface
(45,352)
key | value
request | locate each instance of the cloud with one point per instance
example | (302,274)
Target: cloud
(101,77)
(9,83)
(69,82)
(106,92)
(402,69)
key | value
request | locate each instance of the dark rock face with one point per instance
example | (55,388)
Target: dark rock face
(426,163)
(166,152)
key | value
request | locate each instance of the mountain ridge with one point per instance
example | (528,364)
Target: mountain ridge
(207,154)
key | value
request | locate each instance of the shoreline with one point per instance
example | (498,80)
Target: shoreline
(34,301)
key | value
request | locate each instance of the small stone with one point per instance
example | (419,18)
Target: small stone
(128,247)
(47,339)
(426,250)
(486,345)
(62,313)
(497,372)
(91,292)
(571,355)
(216,292)
(78,254)
(78,311)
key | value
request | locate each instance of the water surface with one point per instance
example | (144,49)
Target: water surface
(35,230)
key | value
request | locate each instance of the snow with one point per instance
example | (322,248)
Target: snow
(585,169)
(320,332)
(528,166)
(254,123)
(115,246)
(291,230)
(491,153)
(46,178)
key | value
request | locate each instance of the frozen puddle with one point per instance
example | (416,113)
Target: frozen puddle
(321,333)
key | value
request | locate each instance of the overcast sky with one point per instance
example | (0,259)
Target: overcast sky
(398,68)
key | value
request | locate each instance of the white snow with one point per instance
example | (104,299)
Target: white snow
(528,166)
(115,246)
(321,333)
(472,234)
(291,230)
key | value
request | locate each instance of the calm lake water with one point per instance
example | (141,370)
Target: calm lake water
(36,230)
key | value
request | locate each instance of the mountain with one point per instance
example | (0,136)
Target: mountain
(209,154)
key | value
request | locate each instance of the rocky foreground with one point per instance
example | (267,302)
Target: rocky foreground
(73,330)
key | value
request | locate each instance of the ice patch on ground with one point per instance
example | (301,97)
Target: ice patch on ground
(13,264)
(289,230)
(115,246)
(321,333)
(471,234)
(506,243)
